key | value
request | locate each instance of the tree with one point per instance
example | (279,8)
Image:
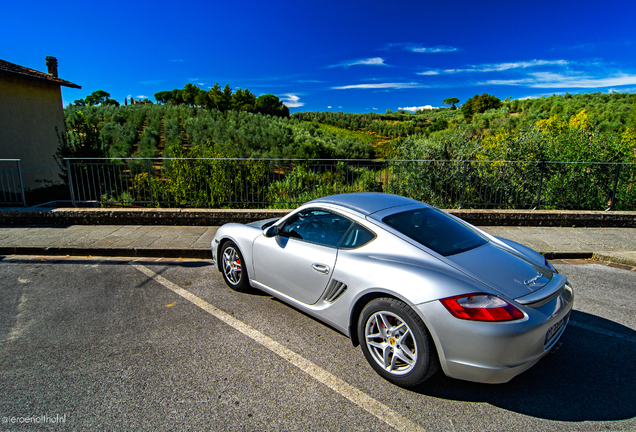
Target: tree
(189,94)
(110,101)
(220,99)
(202,99)
(479,104)
(451,101)
(632,117)
(163,97)
(176,97)
(227,97)
(97,97)
(269,104)
(243,100)
(81,140)
(216,97)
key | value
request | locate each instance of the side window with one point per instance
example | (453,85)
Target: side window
(358,236)
(316,226)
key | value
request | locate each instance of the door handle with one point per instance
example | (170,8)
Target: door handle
(320,268)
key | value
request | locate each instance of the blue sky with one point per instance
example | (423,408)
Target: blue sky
(350,56)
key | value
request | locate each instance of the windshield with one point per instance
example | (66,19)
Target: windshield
(435,230)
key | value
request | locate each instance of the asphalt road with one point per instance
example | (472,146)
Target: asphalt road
(89,344)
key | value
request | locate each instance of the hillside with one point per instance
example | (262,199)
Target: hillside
(186,131)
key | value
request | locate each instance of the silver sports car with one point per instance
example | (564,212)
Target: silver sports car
(416,287)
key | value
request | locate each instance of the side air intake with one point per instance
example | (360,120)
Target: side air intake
(335,290)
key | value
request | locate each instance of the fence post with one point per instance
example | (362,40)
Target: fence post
(70,181)
(152,195)
(386,177)
(613,199)
(542,166)
(461,205)
(21,183)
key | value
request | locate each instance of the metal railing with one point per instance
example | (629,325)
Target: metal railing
(11,187)
(275,183)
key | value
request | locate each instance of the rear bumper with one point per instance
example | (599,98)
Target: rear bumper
(496,352)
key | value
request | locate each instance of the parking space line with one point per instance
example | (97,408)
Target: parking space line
(602,331)
(341,387)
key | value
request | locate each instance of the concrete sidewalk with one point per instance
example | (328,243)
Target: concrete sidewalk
(617,245)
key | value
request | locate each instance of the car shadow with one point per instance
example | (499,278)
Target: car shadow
(590,378)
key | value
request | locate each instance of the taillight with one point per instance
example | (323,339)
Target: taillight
(481,307)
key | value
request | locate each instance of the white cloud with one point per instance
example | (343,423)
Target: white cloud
(329,106)
(291,100)
(623,90)
(375,61)
(434,49)
(374,108)
(396,86)
(418,108)
(500,67)
(553,80)
(528,97)
(525,81)
(421,48)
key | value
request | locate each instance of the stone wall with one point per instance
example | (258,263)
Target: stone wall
(216,217)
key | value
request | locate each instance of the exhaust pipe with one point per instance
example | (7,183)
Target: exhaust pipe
(556,347)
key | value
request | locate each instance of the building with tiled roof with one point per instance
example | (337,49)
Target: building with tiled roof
(30,111)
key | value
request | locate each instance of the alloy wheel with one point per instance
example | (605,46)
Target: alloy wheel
(391,342)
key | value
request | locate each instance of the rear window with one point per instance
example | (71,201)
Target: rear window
(435,230)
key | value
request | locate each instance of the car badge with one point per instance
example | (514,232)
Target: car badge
(535,281)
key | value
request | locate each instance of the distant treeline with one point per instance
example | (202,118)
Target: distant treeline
(224,100)
(183,131)
(485,114)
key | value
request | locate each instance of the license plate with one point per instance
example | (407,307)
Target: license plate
(552,331)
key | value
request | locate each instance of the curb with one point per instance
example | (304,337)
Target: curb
(623,258)
(108,252)
(217,217)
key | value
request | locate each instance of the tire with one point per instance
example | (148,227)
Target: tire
(233,267)
(396,342)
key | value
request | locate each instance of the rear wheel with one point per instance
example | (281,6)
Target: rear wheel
(233,268)
(396,342)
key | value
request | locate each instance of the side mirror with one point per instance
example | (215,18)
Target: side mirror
(270,231)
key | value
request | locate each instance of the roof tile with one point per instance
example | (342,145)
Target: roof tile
(6,66)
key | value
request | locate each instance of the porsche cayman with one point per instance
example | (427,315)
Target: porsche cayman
(417,288)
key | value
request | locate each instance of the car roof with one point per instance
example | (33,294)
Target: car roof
(366,202)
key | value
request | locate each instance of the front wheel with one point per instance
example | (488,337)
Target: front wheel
(233,267)
(396,342)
